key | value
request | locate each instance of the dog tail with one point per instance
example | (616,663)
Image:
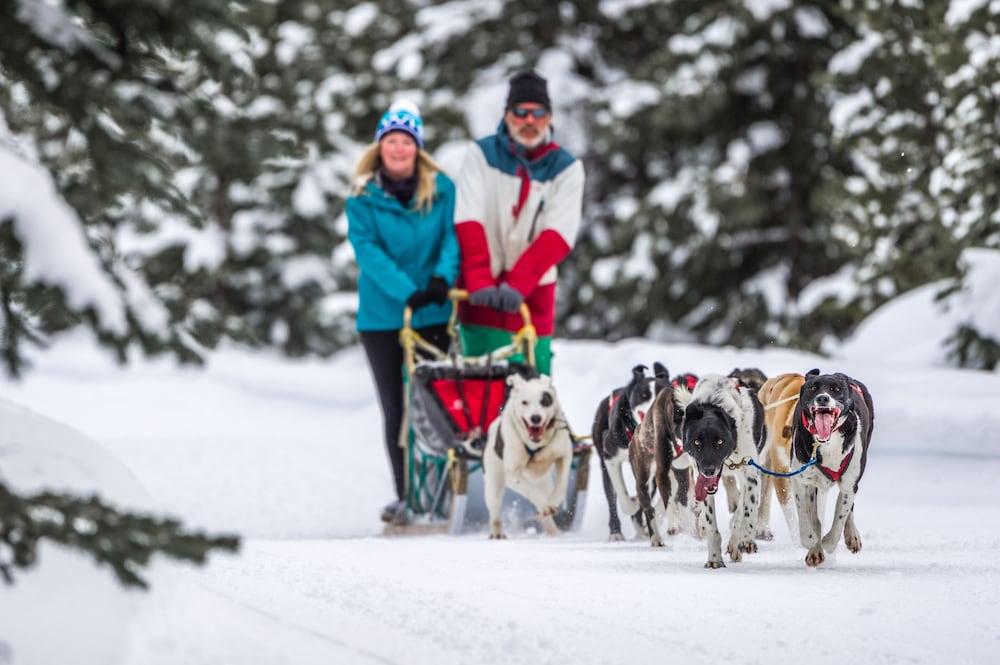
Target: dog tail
(682,396)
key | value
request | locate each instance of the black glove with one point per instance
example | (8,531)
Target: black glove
(437,290)
(418,300)
(507,298)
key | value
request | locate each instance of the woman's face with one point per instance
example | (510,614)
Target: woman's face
(398,152)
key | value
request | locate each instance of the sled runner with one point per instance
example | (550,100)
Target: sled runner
(450,400)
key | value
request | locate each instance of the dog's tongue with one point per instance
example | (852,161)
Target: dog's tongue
(535,432)
(824,424)
(704,486)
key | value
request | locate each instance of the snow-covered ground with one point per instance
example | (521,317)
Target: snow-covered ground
(289,455)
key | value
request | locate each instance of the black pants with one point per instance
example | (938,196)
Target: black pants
(385,357)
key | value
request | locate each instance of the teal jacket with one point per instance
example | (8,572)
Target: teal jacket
(398,251)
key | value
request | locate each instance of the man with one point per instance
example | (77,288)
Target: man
(517,213)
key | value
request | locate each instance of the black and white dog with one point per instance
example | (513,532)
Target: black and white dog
(615,422)
(724,423)
(833,420)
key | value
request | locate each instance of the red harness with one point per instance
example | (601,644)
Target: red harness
(835,475)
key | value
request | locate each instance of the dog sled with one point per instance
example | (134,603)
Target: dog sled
(450,400)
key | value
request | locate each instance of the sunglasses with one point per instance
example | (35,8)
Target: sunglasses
(536,113)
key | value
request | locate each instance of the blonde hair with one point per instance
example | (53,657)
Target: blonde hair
(426,169)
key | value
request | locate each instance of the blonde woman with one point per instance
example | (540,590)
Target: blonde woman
(401,225)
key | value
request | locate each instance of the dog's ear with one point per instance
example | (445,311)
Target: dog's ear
(813,372)
(693,412)
(660,371)
(639,372)
(515,380)
(546,379)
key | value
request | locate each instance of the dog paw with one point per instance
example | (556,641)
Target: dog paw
(734,552)
(815,557)
(656,541)
(673,531)
(616,537)
(765,534)
(715,563)
(748,546)
(498,536)
(549,511)
(853,543)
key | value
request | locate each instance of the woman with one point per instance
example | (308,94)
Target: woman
(401,224)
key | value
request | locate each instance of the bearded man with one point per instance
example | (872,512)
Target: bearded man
(517,213)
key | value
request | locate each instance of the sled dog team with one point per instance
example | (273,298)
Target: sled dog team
(680,437)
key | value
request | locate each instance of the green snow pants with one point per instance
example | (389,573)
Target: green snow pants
(479,340)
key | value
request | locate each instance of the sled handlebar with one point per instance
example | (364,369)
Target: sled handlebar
(456,296)
(523,340)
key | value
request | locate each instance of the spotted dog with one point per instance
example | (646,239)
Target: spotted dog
(615,423)
(523,446)
(833,419)
(724,422)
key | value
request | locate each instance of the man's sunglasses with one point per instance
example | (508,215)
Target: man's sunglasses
(536,113)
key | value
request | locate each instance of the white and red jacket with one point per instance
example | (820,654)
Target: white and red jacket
(516,216)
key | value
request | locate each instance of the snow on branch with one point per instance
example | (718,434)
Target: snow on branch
(55,248)
(50,23)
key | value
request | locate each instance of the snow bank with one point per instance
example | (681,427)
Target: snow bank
(52,599)
(912,328)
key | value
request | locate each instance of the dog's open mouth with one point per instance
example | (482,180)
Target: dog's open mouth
(642,414)
(535,432)
(706,485)
(824,420)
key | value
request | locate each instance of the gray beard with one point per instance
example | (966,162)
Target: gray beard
(530,145)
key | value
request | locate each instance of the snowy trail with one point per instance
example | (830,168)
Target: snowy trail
(922,590)
(288,454)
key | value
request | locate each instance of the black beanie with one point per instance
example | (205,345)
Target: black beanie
(528,86)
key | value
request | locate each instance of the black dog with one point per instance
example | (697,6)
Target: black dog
(833,422)
(751,377)
(615,422)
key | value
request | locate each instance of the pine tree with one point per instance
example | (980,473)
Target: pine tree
(126,140)
(967,180)
(890,116)
(713,215)
(179,167)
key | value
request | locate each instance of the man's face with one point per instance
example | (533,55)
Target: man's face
(528,123)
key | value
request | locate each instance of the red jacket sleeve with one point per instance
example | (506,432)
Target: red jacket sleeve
(547,250)
(476,273)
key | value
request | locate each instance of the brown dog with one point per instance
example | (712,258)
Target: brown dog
(778,396)
(653,453)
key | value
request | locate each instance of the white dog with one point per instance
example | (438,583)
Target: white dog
(524,444)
